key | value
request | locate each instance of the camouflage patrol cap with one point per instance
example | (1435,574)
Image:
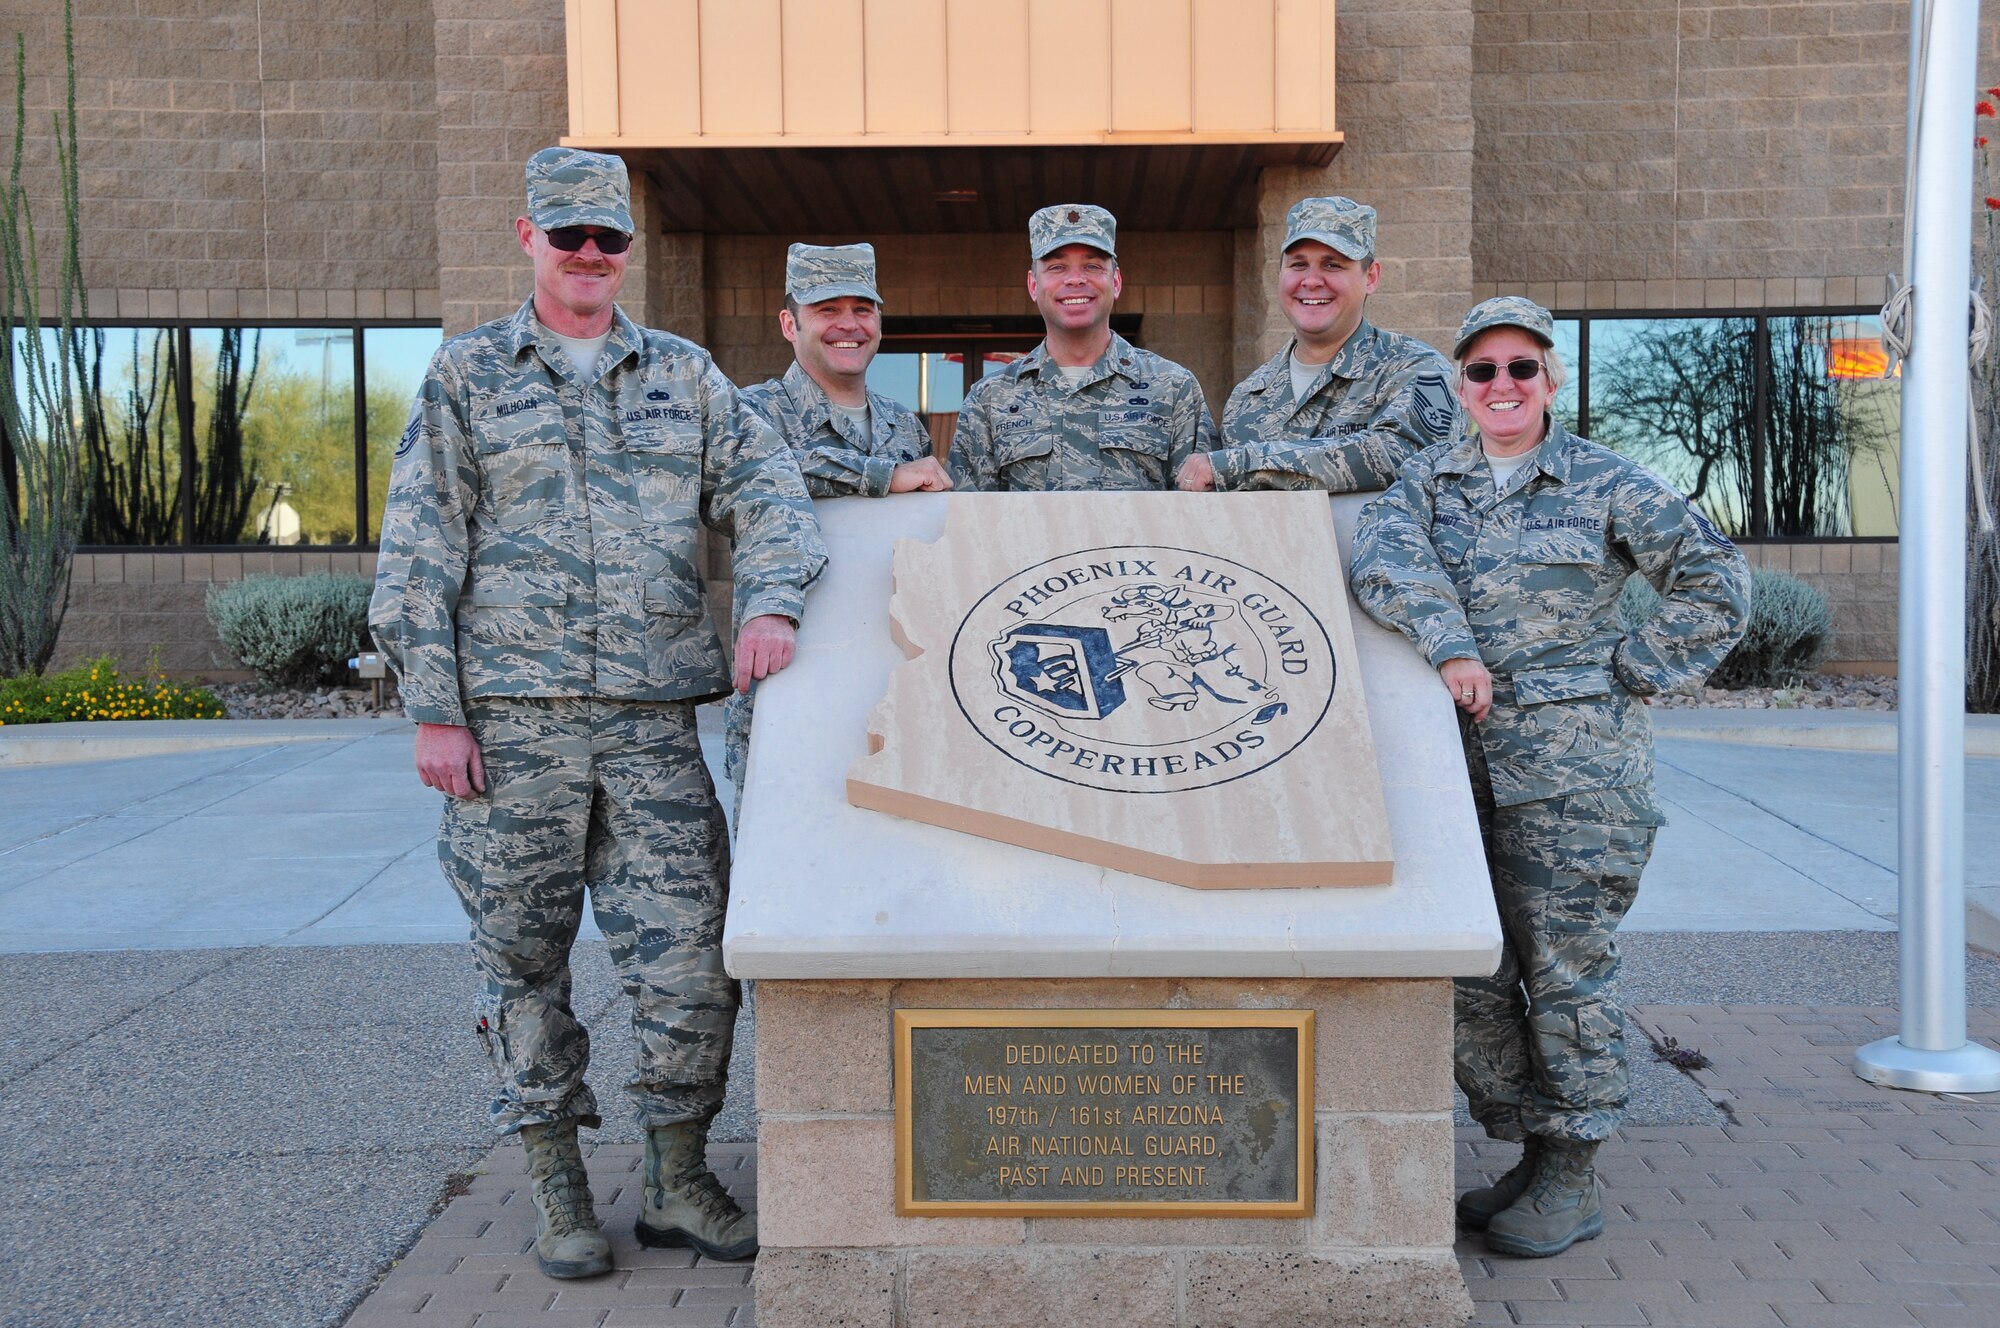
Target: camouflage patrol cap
(1071,223)
(571,187)
(815,272)
(1338,223)
(1505,311)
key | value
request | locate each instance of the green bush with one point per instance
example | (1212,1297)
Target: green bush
(292,630)
(1790,632)
(95,691)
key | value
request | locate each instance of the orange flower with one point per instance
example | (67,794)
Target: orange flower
(1979,142)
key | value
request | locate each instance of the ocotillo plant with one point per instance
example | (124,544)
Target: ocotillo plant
(41,409)
(1982,570)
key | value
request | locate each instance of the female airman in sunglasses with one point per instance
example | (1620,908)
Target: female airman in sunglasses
(1501,556)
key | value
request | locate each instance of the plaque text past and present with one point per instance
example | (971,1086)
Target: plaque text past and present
(1110,1113)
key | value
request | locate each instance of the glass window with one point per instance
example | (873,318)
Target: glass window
(42,378)
(1834,418)
(944,382)
(134,445)
(225,436)
(394,365)
(1569,348)
(929,382)
(896,375)
(1680,395)
(274,435)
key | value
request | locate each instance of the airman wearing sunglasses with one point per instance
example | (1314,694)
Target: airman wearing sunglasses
(1345,403)
(848,440)
(538,595)
(1502,557)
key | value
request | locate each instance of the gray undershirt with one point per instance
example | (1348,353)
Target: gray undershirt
(583,353)
(1074,374)
(1302,377)
(855,415)
(1504,468)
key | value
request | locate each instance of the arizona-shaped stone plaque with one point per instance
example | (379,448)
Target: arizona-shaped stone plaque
(1162,684)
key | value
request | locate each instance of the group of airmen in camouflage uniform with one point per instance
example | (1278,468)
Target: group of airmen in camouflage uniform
(539,596)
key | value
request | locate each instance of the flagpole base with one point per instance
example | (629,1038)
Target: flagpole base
(1971,1068)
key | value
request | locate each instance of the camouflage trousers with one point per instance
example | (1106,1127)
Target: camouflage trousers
(612,797)
(1540,1045)
(736,715)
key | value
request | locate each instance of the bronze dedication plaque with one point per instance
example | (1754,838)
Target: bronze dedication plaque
(1104,1113)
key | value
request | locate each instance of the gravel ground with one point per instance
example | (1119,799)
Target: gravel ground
(1820,691)
(251,700)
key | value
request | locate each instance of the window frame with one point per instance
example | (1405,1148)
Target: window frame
(366,540)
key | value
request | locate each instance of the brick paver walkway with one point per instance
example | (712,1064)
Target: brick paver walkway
(475,1265)
(1821,1202)
(1816,1201)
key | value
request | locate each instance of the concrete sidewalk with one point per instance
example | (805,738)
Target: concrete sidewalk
(236,973)
(330,841)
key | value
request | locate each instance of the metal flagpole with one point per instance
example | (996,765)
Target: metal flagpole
(1931,1052)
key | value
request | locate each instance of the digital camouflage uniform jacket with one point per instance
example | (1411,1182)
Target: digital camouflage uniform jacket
(539,538)
(1528,581)
(836,463)
(1128,425)
(832,455)
(1379,401)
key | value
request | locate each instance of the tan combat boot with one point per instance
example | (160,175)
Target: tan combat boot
(685,1204)
(1559,1209)
(568,1240)
(1478,1207)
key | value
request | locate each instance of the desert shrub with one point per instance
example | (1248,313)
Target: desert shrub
(95,691)
(292,630)
(1789,635)
(1790,631)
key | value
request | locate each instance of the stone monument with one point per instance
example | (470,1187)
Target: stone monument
(1025,1088)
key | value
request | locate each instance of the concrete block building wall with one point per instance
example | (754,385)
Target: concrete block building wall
(289,160)
(240,159)
(1662,154)
(1670,154)
(502,92)
(1404,73)
(243,159)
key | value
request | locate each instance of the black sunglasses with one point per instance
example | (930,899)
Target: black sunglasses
(1485,371)
(569,239)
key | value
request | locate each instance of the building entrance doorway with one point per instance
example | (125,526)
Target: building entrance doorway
(930,363)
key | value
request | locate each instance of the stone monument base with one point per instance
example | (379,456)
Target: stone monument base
(1376,1251)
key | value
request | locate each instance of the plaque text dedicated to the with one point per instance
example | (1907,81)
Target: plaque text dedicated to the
(1038,1111)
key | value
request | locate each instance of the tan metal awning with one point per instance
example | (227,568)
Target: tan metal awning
(766,116)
